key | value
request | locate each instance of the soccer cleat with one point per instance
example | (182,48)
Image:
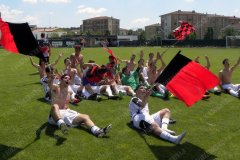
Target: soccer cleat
(166,94)
(64,128)
(205,97)
(217,92)
(93,96)
(113,97)
(180,137)
(172,121)
(103,131)
(99,98)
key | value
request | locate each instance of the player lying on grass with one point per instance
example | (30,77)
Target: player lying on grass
(156,123)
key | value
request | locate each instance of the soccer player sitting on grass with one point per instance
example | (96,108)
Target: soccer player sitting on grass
(156,123)
(62,116)
(225,77)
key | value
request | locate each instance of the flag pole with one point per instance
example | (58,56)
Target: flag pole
(169,48)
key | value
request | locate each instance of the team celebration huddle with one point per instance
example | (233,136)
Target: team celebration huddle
(134,77)
(166,89)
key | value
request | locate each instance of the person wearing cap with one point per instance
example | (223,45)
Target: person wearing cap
(156,123)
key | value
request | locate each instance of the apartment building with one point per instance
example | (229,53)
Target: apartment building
(101,25)
(200,21)
(152,31)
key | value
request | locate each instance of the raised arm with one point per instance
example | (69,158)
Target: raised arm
(90,65)
(33,64)
(208,62)
(235,66)
(122,61)
(220,77)
(145,98)
(56,62)
(162,62)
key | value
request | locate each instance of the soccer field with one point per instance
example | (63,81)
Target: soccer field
(212,125)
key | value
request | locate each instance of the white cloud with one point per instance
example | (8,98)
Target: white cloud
(9,14)
(189,1)
(30,1)
(236,12)
(31,20)
(58,1)
(89,10)
(141,21)
(16,16)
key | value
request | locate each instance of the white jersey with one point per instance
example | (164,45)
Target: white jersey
(135,108)
(138,114)
(77,80)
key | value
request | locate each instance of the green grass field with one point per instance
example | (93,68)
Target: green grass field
(212,126)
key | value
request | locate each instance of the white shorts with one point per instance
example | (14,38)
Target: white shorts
(67,115)
(74,88)
(122,88)
(234,87)
(96,89)
(44,83)
(147,118)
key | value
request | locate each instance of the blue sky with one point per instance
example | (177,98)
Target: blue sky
(133,14)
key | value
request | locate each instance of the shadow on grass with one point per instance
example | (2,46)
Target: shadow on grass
(6,152)
(28,84)
(43,100)
(185,151)
(33,74)
(50,131)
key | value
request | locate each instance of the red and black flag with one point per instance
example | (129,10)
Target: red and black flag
(183,30)
(18,38)
(186,79)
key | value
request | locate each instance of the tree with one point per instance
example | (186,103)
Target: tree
(142,37)
(170,36)
(209,34)
(107,33)
(192,36)
(130,32)
(230,32)
(54,35)
(70,33)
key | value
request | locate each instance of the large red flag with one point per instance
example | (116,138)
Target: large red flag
(18,38)
(186,79)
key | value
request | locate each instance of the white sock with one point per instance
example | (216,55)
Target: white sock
(233,93)
(215,89)
(109,91)
(167,136)
(165,122)
(85,93)
(59,122)
(94,129)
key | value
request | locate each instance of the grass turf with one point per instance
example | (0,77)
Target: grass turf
(212,126)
